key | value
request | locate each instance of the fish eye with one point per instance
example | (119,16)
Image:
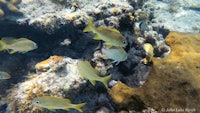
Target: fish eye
(124,42)
(37,102)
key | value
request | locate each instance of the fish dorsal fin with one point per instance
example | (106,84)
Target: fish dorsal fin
(108,29)
(67,100)
(93,82)
(8,40)
(12,51)
(96,71)
(23,39)
(87,63)
(114,30)
(20,39)
(11,40)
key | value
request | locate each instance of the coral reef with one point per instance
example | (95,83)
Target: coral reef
(170,81)
(52,16)
(126,98)
(51,83)
(173,82)
(134,71)
(161,49)
(155,38)
(49,63)
(56,21)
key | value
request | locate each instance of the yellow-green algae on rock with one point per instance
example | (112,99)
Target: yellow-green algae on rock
(174,82)
(126,98)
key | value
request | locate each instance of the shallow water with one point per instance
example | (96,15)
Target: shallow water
(48,23)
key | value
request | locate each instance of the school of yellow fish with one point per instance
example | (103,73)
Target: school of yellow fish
(114,41)
(113,48)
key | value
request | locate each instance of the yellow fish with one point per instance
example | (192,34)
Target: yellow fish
(112,37)
(52,103)
(4,75)
(149,52)
(88,72)
(21,45)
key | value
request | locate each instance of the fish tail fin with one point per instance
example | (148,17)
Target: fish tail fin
(11,51)
(90,27)
(2,45)
(106,79)
(79,106)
